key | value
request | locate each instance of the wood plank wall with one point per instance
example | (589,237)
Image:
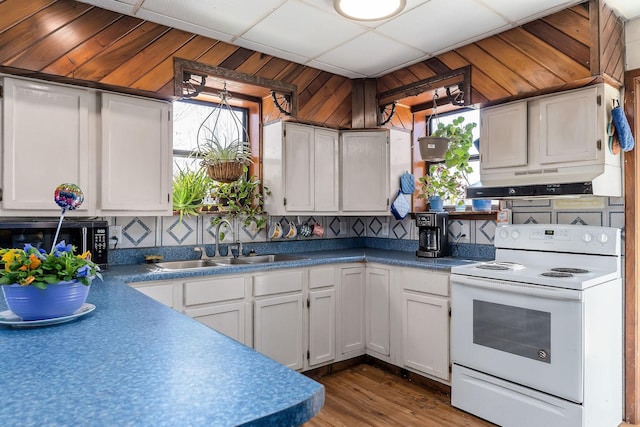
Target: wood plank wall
(93,45)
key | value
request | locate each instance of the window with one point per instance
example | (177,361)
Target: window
(470,116)
(187,117)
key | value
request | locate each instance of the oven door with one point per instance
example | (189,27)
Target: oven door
(528,334)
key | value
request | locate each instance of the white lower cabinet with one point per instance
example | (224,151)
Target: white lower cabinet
(425,322)
(322,316)
(378,311)
(219,302)
(278,329)
(166,292)
(308,317)
(352,338)
(278,316)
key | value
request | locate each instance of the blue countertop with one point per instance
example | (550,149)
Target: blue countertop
(133,361)
(146,272)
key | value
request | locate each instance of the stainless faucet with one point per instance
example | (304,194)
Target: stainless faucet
(216,252)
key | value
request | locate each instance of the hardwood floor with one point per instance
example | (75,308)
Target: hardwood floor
(365,395)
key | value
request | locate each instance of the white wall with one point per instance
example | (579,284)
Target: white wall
(632,42)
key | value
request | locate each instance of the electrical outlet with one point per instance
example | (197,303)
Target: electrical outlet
(115,235)
(465,237)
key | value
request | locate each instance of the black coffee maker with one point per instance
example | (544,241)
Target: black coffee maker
(433,234)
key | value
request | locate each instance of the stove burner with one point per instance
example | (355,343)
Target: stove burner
(570,270)
(492,267)
(556,274)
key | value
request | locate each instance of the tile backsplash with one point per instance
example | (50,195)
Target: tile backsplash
(145,232)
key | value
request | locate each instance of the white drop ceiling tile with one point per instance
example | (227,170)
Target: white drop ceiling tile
(336,70)
(222,16)
(362,54)
(627,8)
(269,50)
(291,29)
(527,10)
(441,23)
(632,31)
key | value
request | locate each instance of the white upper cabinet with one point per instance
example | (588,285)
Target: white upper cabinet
(552,139)
(505,129)
(116,148)
(46,141)
(300,167)
(135,156)
(371,164)
(569,127)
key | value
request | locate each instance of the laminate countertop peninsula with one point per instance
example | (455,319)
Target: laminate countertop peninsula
(134,362)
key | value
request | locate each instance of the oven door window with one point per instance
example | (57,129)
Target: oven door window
(515,330)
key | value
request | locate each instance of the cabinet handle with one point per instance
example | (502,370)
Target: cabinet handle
(599,144)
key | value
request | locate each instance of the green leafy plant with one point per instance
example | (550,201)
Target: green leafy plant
(244,197)
(450,178)
(34,267)
(212,151)
(189,188)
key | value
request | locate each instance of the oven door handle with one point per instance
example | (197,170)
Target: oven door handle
(518,288)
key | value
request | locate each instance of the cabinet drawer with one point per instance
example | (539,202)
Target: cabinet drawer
(277,283)
(321,277)
(426,281)
(213,290)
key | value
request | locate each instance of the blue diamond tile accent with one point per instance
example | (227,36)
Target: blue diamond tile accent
(488,230)
(180,231)
(399,230)
(136,226)
(375,226)
(334,226)
(578,220)
(531,220)
(358,227)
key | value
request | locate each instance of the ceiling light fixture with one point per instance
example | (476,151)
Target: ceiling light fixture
(369,10)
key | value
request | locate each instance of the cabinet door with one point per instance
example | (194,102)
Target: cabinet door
(503,136)
(568,127)
(46,143)
(365,171)
(352,309)
(322,326)
(425,334)
(299,179)
(135,155)
(278,329)
(228,319)
(326,172)
(378,311)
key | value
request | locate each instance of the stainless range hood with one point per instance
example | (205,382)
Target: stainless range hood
(602,180)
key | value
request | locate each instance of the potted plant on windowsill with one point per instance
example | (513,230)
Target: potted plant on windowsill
(450,178)
(242,198)
(189,188)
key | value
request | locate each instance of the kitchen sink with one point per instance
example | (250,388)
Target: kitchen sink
(261,259)
(188,264)
(213,262)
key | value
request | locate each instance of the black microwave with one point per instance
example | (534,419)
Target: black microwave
(85,235)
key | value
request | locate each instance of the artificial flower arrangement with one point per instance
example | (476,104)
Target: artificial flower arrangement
(34,267)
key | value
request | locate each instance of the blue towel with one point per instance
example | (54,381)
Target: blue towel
(625,137)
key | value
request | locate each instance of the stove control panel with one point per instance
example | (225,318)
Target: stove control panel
(560,238)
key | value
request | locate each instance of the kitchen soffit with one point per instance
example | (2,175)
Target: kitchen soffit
(311,32)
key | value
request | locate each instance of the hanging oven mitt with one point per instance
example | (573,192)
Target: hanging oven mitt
(407,183)
(625,137)
(400,206)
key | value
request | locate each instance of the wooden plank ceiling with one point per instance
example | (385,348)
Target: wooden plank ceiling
(89,45)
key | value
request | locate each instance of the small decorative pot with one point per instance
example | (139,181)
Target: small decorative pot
(57,300)
(481,205)
(436,204)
